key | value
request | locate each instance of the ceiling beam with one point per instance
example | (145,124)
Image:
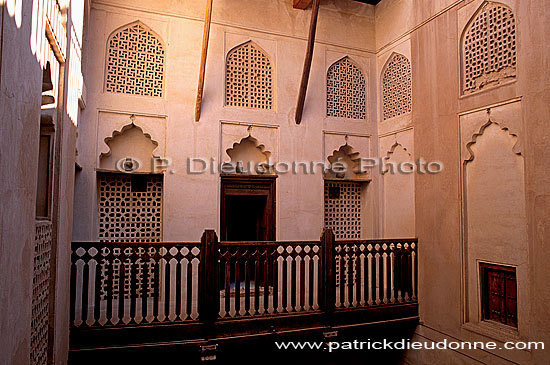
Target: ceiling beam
(301,4)
(205,38)
(307,62)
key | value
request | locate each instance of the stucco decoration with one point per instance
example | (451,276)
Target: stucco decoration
(333,141)
(129,142)
(112,123)
(396,87)
(489,48)
(248,77)
(247,154)
(346,95)
(346,154)
(235,132)
(135,60)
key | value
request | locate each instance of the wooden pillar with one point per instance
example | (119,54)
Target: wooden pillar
(209,292)
(328,280)
(307,62)
(205,38)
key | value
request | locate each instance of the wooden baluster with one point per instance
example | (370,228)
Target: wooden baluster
(302,280)
(189,284)
(343,276)
(274,260)
(238,256)
(257,282)
(266,262)
(311,283)
(122,273)
(167,273)
(327,270)
(227,287)
(373,275)
(285,283)
(144,285)
(388,274)
(293,279)
(133,285)
(85,289)
(381,274)
(156,288)
(247,286)
(108,260)
(178,285)
(415,283)
(349,276)
(357,281)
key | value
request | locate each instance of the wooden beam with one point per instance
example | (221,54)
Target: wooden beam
(205,38)
(301,4)
(307,62)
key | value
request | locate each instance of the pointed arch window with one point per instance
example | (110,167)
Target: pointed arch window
(489,48)
(396,87)
(345,90)
(135,62)
(248,78)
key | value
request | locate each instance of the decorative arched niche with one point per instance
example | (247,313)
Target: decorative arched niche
(248,157)
(130,150)
(346,157)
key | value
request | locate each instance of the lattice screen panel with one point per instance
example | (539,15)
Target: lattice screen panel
(343,209)
(248,78)
(489,53)
(135,62)
(397,87)
(40,292)
(130,208)
(345,91)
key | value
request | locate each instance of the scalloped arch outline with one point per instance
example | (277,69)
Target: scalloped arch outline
(120,133)
(256,143)
(516,148)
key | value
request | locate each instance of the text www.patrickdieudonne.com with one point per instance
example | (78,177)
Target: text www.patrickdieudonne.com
(407,345)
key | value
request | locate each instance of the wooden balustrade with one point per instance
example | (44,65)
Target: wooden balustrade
(129,284)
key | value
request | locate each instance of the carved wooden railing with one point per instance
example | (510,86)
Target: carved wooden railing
(128,284)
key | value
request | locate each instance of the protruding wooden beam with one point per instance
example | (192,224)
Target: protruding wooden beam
(301,4)
(205,38)
(307,62)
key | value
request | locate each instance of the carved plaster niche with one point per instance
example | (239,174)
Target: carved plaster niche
(247,154)
(333,141)
(234,132)
(110,122)
(129,143)
(352,159)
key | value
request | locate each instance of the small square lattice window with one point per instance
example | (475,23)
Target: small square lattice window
(130,208)
(396,87)
(343,209)
(135,62)
(248,78)
(345,90)
(489,48)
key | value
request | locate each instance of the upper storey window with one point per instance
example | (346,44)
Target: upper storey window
(345,90)
(489,48)
(396,87)
(248,78)
(135,62)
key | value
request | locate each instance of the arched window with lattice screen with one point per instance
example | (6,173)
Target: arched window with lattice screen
(488,48)
(346,90)
(135,61)
(396,87)
(248,78)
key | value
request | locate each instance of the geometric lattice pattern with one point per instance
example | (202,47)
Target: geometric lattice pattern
(397,87)
(489,53)
(40,292)
(343,209)
(130,208)
(135,62)
(345,91)
(248,78)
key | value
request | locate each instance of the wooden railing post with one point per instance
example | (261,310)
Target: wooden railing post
(328,280)
(209,292)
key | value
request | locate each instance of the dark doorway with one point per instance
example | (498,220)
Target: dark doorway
(247,208)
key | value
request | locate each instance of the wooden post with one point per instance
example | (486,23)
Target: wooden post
(209,292)
(205,38)
(307,62)
(328,284)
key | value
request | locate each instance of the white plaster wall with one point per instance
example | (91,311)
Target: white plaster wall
(192,201)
